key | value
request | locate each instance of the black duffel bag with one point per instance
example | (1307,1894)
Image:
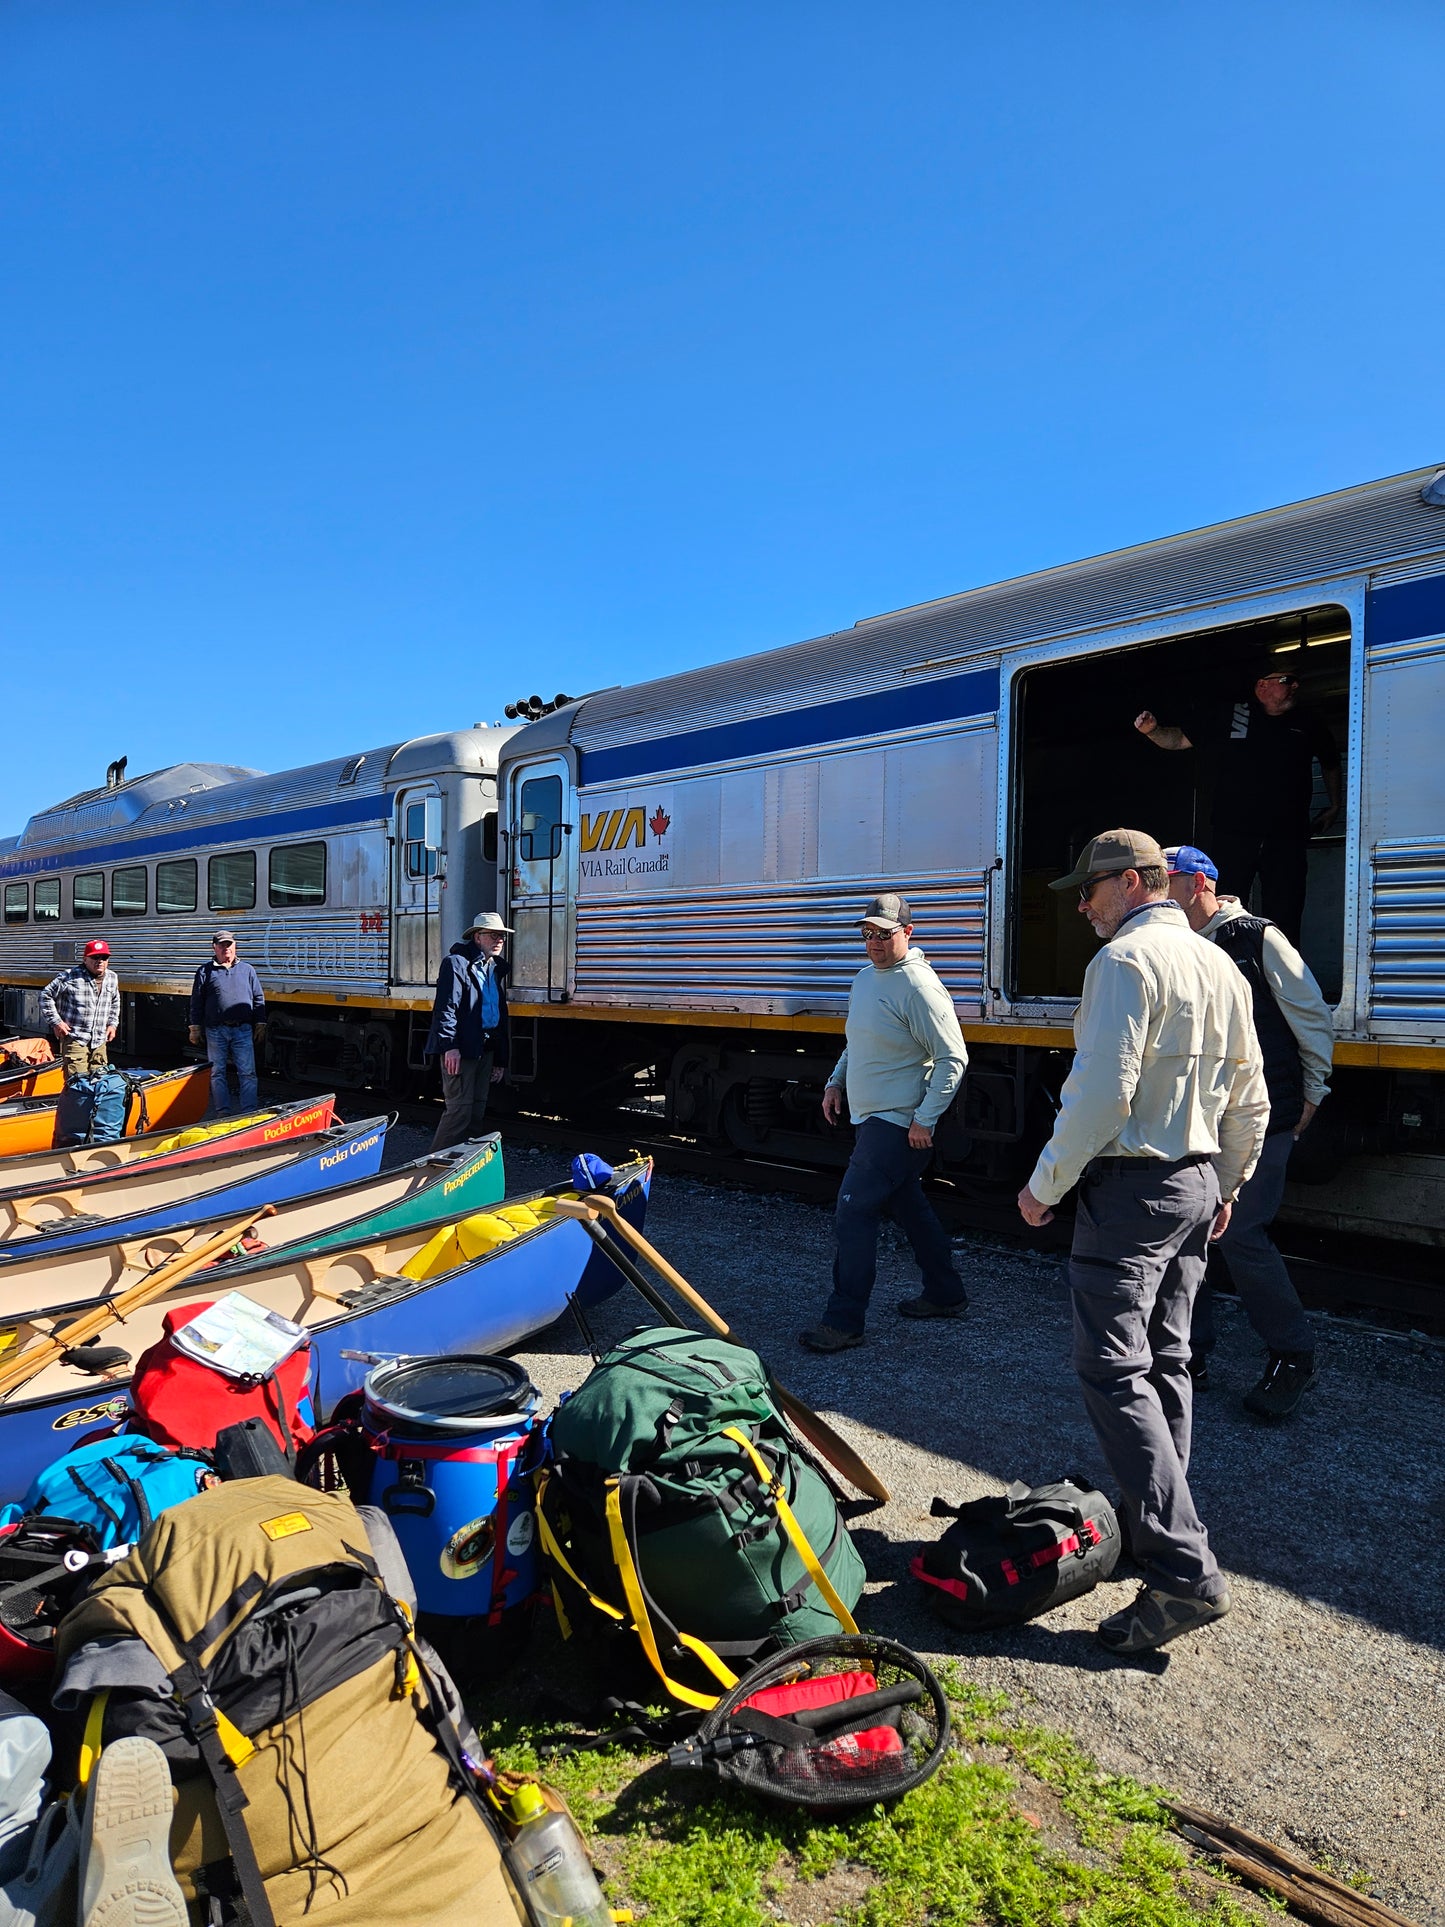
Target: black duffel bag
(1007,1559)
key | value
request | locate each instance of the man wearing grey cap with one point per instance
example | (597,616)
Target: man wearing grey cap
(902,1063)
(470,1031)
(1160,1123)
(228,1010)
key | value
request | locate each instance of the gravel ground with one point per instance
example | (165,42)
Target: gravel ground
(1315,1712)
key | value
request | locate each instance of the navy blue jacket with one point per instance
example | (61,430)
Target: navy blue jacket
(224,997)
(456,1012)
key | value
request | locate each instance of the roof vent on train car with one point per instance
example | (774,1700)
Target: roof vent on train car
(349,771)
(1433,493)
(527,709)
(115,772)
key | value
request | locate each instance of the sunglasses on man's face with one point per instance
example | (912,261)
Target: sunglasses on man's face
(875,936)
(1091,884)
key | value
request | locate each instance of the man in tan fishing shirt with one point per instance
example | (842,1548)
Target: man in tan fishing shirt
(1160,1123)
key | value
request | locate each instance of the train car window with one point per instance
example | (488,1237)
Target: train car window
(87,894)
(540,830)
(489,837)
(129,891)
(297,875)
(231,881)
(17,903)
(47,900)
(422,834)
(176,886)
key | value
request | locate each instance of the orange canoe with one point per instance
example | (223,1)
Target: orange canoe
(160,1099)
(30,1080)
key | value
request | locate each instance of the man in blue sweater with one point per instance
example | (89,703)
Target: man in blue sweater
(228,1006)
(903,1062)
(469,1031)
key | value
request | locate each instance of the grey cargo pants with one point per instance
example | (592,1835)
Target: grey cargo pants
(1141,1240)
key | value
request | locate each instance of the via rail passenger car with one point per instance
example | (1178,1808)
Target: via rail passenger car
(685,860)
(345,883)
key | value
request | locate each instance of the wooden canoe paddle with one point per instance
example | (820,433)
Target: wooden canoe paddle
(816,1429)
(26,1365)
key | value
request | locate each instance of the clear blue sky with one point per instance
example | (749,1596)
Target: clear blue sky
(368,363)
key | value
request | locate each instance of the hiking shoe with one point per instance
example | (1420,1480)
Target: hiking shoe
(1199,1373)
(926,1307)
(827,1338)
(125,1842)
(1287,1377)
(1155,1618)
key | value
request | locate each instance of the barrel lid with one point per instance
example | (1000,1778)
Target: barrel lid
(452,1393)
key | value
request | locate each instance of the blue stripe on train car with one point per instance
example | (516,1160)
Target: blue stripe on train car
(324,816)
(947,699)
(1405,610)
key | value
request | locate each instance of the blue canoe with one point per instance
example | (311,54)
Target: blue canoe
(135,1203)
(364,1298)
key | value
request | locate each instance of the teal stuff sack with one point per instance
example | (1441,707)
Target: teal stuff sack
(92,1109)
(676,1505)
(116,1486)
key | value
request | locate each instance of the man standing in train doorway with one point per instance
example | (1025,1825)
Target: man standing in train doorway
(1297,1038)
(902,1062)
(470,1029)
(1160,1123)
(228,1011)
(81,1009)
(1263,751)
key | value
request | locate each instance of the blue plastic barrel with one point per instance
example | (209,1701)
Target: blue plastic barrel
(448,1438)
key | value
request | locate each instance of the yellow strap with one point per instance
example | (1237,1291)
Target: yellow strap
(238,1749)
(794,1531)
(554,1552)
(642,1623)
(90,1742)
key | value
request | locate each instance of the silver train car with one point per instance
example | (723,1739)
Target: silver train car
(345,883)
(685,860)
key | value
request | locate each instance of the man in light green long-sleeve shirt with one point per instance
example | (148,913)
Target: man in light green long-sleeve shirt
(903,1062)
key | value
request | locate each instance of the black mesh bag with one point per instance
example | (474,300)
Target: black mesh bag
(836,1722)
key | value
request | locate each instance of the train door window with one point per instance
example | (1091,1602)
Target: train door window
(176,886)
(47,900)
(17,903)
(489,837)
(1211,764)
(422,834)
(87,894)
(540,829)
(231,881)
(297,875)
(129,891)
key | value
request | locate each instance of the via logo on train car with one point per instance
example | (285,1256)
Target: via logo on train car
(626,840)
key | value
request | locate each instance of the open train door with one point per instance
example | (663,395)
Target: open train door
(542,879)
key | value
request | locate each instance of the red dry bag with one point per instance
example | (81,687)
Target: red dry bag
(180,1401)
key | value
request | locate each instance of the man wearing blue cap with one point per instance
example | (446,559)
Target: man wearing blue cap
(1296,1038)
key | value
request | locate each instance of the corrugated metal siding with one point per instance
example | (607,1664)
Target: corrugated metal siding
(1365,528)
(781,950)
(1407,934)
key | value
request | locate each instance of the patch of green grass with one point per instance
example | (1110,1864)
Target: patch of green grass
(965,1848)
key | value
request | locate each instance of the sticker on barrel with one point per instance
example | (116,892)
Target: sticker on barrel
(469,1548)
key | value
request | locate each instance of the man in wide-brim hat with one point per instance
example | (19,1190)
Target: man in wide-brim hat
(470,1030)
(1160,1123)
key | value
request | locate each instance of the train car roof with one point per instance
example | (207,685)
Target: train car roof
(1332,535)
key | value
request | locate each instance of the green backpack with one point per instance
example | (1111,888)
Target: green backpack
(676,1505)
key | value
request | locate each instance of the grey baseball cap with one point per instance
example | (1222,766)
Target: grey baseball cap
(1111,852)
(888,911)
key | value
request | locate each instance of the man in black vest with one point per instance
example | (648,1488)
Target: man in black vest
(1296,1039)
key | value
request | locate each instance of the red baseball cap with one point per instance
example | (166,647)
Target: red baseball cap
(97,948)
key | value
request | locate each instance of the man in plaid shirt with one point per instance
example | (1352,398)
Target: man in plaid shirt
(82,1007)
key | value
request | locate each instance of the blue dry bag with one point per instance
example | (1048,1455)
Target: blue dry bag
(117,1486)
(92,1109)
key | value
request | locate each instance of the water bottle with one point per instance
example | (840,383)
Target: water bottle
(550,1865)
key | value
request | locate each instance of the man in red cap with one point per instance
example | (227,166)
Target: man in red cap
(81,1008)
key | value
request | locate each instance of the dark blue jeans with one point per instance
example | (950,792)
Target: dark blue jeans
(884,1175)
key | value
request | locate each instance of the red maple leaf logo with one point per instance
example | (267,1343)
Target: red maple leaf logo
(658,822)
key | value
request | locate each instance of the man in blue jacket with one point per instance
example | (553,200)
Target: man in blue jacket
(228,1008)
(469,1027)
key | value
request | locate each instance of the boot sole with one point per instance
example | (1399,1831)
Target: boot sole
(127,1850)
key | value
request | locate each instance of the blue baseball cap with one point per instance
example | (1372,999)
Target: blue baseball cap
(1182,859)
